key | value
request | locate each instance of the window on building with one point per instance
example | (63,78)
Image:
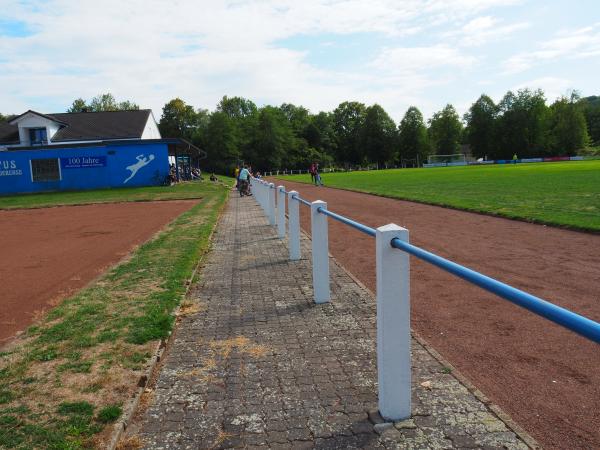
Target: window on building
(38,136)
(45,169)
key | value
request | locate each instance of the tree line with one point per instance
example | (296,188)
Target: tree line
(354,134)
(290,137)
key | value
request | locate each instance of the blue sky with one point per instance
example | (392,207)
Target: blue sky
(315,53)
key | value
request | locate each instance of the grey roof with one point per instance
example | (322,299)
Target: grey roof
(9,134)
(88,126)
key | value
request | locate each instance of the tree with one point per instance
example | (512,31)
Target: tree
(297,116)
(412,136)
(445,130)
(272,138)
(102,102)
(236,107)
(523,124)
(568,129)
(320,134)
(178,120)
(591,110)
(348,119)
(378,136)
(481,126)
(220,143)
(78,106)
(243,113)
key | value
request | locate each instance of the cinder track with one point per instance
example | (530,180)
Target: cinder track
(545,377)
(49,253)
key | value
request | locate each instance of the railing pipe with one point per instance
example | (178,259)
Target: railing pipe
(359,226)
(294,225)
(556,314)
(280,212)
(320,252)
(301,200)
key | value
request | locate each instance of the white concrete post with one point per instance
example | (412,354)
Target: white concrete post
(280,212)
(271,205)
(393,324)
(263,202)
(320,252)
(257,191)
(254,188)
(294,226)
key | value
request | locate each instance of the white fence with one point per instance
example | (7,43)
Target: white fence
(393,289)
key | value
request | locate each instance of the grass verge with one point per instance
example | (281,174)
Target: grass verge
(564,194)
(180,191)
(64,381)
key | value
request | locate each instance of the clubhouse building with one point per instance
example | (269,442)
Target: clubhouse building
(88,150)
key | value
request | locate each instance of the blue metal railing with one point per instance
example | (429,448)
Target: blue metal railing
(359,226)
(561,316)
(572,321)
(301,200)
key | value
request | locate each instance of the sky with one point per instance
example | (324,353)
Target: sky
(314,53)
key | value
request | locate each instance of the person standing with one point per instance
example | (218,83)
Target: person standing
(318,181)
(515,158)
(237,176)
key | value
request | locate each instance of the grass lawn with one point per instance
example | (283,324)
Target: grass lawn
(65,381)
(564,194)
(180,191)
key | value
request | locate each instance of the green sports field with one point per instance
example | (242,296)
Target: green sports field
(562,193)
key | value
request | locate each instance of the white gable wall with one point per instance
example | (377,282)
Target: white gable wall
(151,130)
(34,121)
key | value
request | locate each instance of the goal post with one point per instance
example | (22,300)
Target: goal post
(455,158)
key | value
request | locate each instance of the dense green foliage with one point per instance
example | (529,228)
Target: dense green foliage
(354,134)
(565,194)
(445,131)
(522,123)
(591,111)
(102,102)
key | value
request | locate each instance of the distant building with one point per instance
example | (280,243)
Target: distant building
(88,150)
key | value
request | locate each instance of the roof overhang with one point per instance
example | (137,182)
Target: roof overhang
(20,117)
(185,147)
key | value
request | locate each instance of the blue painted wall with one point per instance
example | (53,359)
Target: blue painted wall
(110,165)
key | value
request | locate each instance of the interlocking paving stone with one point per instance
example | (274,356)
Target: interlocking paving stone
(261,366)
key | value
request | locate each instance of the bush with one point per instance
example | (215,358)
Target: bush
(109,414)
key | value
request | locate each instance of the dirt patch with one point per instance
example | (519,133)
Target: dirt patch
(48,254)
(545,377)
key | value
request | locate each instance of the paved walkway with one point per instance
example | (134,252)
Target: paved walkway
(256,364)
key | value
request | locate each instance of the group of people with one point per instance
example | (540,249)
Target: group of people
(315,176)
(243,175)
(186,173)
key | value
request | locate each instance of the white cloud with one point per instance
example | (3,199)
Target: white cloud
(580,43)
(151,51)
(483,29)
(417,59)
